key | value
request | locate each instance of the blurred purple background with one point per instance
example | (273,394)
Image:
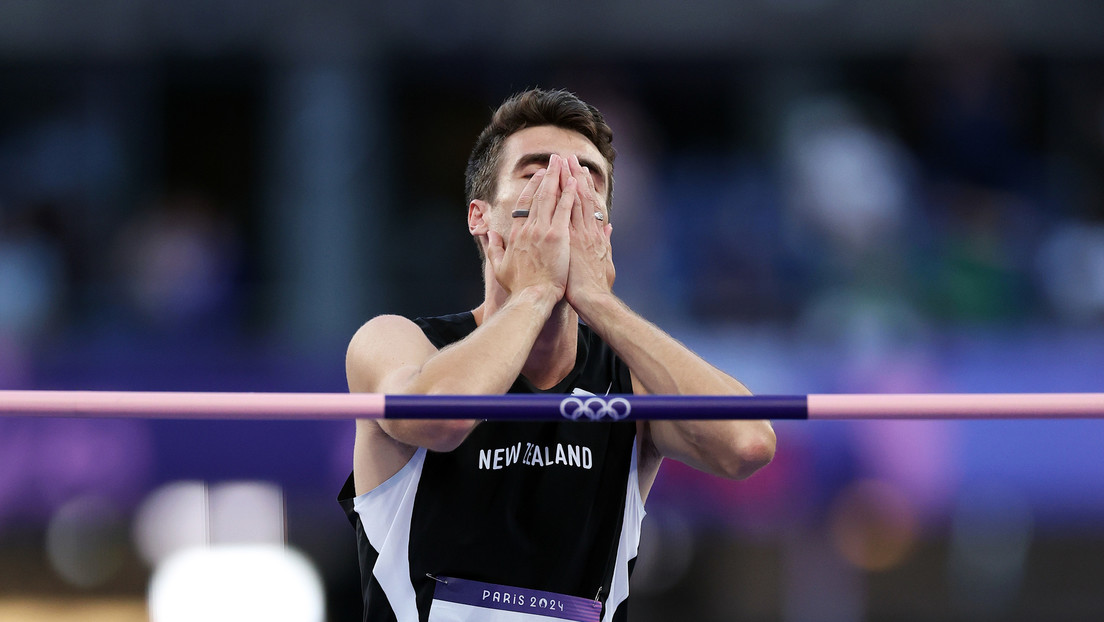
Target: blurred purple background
(817,195)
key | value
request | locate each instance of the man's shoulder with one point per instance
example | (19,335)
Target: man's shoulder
(385,334)
(383,325)
(463,322)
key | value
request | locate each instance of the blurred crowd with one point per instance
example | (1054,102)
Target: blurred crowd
(958,186)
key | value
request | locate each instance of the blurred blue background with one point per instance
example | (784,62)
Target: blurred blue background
(817,195)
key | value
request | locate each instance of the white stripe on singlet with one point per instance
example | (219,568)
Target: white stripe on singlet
(385,514)
(629,542)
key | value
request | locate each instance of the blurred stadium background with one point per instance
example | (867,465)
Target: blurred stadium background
(817,195)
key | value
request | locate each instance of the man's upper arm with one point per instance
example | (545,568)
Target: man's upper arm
(649,456)
(388,355)
(383,356)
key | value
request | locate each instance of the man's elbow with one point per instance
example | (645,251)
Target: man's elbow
(442,435)
(447,434)
(750,451)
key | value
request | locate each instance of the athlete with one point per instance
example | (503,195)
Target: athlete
(465,520)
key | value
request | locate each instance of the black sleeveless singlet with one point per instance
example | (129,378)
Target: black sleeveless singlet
(552,506)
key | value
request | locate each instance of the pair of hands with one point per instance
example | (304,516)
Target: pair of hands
(561,245)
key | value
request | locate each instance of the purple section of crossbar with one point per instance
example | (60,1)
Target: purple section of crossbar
(594,408)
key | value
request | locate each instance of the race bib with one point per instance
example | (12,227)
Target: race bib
(462,600)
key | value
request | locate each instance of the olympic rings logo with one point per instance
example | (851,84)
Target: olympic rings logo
(595,408)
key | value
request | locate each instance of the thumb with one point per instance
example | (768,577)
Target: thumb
(495,248)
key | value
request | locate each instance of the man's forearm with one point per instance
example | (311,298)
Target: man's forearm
(662,365)
(658,361)
(485,362)
(490,359)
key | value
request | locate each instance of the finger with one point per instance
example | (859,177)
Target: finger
(588,192)
(562,217)
(580,171)
(525,199)
(495,249)
(577,211)
(577,207)
(565,171)
(565,181)
(601,210)
(592,209)
(577,168)
(548,191)
(591,184)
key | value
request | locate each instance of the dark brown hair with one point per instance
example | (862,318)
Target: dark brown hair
(533,108)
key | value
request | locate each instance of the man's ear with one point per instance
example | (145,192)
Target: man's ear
(478,214)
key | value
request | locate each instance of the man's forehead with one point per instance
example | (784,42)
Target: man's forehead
(548,139)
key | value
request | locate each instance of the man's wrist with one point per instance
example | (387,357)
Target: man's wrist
(593,306)
(542,297)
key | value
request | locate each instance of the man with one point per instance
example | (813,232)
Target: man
(502,521)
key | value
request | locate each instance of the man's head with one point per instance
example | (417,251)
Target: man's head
(527,109)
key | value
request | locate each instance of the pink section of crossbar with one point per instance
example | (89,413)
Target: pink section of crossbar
(958,406)
(148,404)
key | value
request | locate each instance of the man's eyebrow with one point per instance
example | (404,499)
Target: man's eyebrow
(530,159)
(542,159)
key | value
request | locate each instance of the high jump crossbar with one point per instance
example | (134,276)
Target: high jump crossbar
(545,407)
